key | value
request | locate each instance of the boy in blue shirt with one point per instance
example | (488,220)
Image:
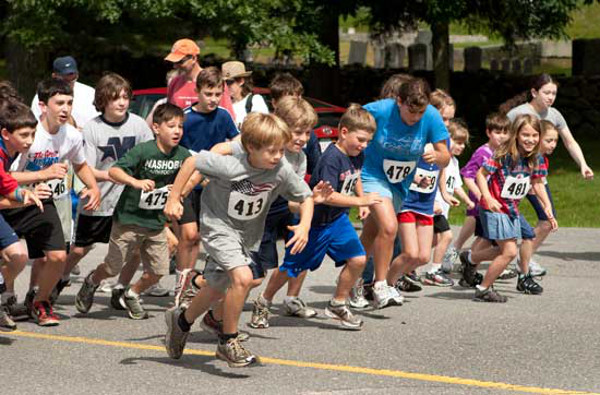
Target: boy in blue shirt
(332,232)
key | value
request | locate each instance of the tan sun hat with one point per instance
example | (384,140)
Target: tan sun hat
(234,69)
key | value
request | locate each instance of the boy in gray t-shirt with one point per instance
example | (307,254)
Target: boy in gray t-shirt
(235,204)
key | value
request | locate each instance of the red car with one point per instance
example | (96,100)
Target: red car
(326,130)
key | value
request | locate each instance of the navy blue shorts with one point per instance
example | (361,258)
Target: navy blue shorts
(338,239)
(527,232)
(537,205)
(7,234)
(267,257)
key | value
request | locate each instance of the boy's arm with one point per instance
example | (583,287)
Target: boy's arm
(121,177)
(92,192)
(300,238)
(472,187)
(464,197)
(491,203)
(54,172)
(440,154)
(173,208)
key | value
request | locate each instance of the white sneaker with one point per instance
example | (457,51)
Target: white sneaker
(156,290)
(297,308)
(449,259)
(535,269)
(382,295)
(357,297)
(396,297)
(106,286)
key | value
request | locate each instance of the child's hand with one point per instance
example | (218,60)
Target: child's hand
(363,213)
(93,196)
(30,197)
(299,240)
(493,205)
(424,182)
(321,192)
(470,204)
(587,173)
(370,199)
(56,171)
(173,209)
(430,156)
(42,191)
(552,220)
(454,202)
(144,185)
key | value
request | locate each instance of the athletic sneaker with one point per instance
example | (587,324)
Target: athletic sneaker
(85,296)
(384,295)
(260,313)
(414,280)
(156,290)
(76,270)
(527,285)
(215,327)
(133,305)
(407,286)
(344,315)
(236,355)
(357,297)
(2,284)
(175,338)
(44,313)
(470,276)
(29,298)
(438,279)
(449,259)
(58,288)
(368,291)
(17,312)
(536,270)
(413,277)
(297,308)
(106,286)
(115,297)
(185,289)
(6,323)
(508,273)
(489,295)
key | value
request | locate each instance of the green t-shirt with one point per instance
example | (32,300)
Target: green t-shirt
(146,162)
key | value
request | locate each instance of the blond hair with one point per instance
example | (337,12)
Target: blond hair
(296,112)
(546,127)
(510,147)
(263,130)
(439,98)
(458,130)
(357,118)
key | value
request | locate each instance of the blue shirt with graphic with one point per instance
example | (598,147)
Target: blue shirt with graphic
(397,141)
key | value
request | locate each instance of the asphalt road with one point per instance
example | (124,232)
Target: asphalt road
(439,342)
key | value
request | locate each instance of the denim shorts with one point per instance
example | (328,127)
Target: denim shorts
(385,189)
(499,226)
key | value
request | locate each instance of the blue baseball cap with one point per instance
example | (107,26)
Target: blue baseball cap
(65,65)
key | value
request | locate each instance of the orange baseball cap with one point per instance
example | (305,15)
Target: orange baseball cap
(181,49)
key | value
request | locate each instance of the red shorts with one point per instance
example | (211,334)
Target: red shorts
(410,217)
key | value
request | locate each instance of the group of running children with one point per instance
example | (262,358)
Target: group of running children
(136,183)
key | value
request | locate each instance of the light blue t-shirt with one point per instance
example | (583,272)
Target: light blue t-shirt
(396,147)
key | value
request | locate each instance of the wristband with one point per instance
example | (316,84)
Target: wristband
(18,196)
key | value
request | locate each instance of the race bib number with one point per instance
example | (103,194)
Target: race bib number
(155,199)
(433,176)
(396,171)
(349,184)
(246,207)
(450,184)
(58,187)
(515,188)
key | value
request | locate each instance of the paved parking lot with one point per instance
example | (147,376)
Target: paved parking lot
(439,342)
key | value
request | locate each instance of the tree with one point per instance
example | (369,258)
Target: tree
(510,19)
(35,29)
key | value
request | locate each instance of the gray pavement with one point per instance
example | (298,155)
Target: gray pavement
(439,342)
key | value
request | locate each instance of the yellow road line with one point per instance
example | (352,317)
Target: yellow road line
(319,366)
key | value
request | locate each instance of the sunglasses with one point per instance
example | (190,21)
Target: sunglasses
(183,60)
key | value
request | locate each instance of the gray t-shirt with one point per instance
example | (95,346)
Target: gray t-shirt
(236,201)
(296,159)
(552,115)
(105,143)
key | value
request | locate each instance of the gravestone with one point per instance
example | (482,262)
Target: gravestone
(417,57)
(378,54)
(505,65)
(472,59)
(358,52)
(527,66)
(394,55)
(586,56)
(516,66)
(494,65)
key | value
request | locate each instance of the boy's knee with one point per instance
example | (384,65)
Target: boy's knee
(56,257)
(241,277)
(357,263)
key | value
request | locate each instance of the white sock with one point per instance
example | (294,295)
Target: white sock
(380,284)
(288,299)
(130,294)
(435,267)
(480,288)
(336,303)
(469,258)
